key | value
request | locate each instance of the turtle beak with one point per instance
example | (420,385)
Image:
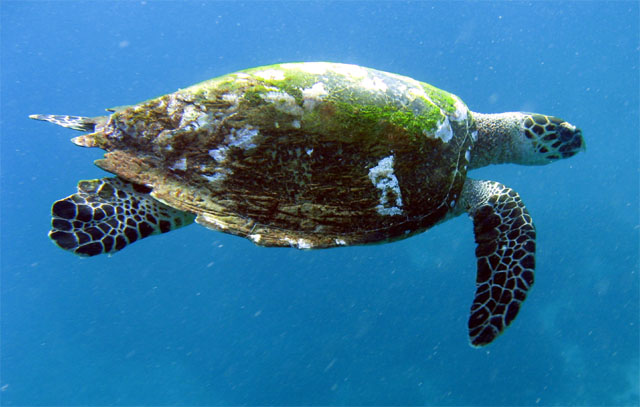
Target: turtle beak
(583,145)
(572,140)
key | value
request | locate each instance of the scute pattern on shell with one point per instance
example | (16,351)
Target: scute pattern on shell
(283,153)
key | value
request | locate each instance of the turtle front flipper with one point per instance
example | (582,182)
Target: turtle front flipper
(506,244)
(107,214)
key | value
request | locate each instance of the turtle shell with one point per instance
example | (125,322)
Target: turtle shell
(304,154)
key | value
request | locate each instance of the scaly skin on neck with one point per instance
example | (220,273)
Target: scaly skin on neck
(500,139)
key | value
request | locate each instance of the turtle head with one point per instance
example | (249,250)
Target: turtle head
(523,138)
(551,138)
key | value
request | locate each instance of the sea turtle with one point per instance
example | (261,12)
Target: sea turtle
(315,155)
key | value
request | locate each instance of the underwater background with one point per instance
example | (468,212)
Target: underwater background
(196,317)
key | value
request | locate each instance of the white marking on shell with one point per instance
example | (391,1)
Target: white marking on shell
(400,89)
(461,110)
(374,84)
(444,131)
(214,221)
(256,237)
(313,95)
(193,118)
(340,242)
(351,71)
(125,129)
(385,180)
(231,98)
(189,114)
(217,177)
(317,91)
(304,244)
(270,74)
(173,105)
(283,102)
(203,121)
(218,154)
(243,138)
(316,68)
(416,93)
(388,211)
(161,104)
(181,164)
(300,243)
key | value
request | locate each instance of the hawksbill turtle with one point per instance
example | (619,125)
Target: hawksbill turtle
(316,155)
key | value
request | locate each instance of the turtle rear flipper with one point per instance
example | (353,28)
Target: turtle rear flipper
(107,214)
(506,240)
(79,123)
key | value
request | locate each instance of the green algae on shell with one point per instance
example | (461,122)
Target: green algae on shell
(319,153)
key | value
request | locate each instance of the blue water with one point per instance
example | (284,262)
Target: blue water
(196,317)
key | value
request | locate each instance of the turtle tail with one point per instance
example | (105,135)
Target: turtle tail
(72,122)
(107,214)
